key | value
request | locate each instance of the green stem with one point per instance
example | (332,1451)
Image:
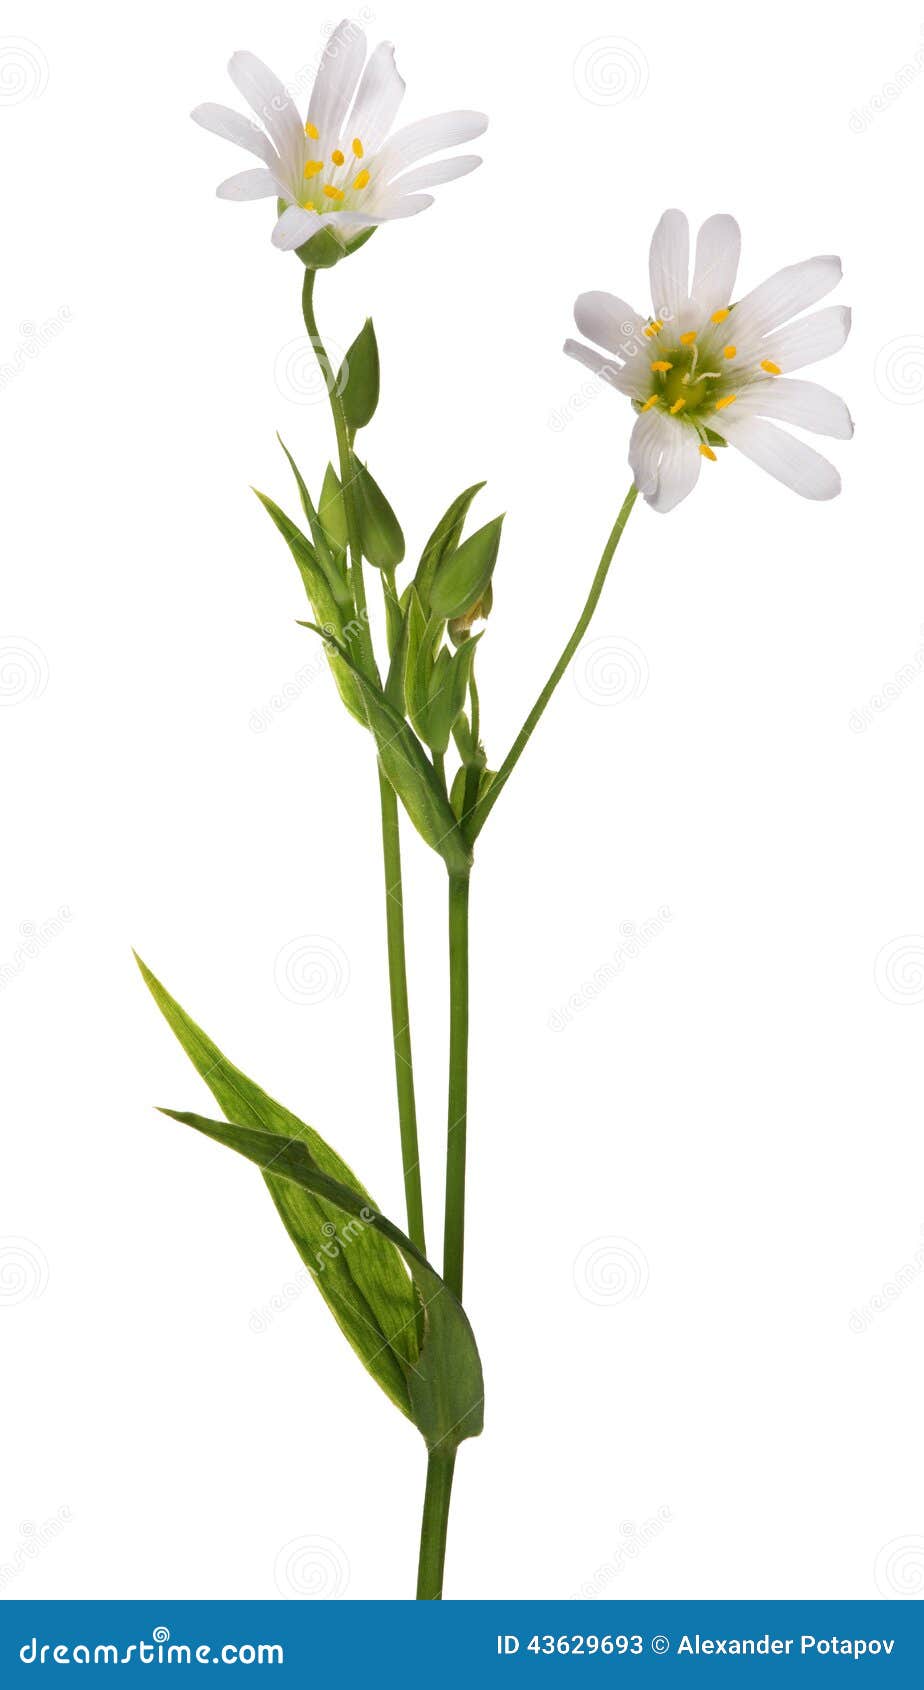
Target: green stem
(391,840)
(478,817)
(456,1124)
(400,1013)
(434,1526)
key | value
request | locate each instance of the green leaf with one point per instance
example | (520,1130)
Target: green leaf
(364,1286)
(358,378)
(332,511)
(444,1381)
(418,664)
(444,539)
(447,692)
(462,577)
(336,576)
(380,530)
(325,606)
(410,771)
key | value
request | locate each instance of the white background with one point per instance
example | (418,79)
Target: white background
(737,1114)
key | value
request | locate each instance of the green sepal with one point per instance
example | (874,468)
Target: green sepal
(715,439)
(332,511)
(336,575)
(325,249)
(364,1286)
(462,577)
(418,663)
(409,769)
(358,378)
(380,530)
(444,1381)
(444,539)
(325,606)
(457,795)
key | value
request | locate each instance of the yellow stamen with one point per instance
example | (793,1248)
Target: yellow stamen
(314,167)
(332,192)
(677,406)
(309,205)
(707,452)
(362,180)
(336,156)
(720,316)
(661,366)
(311,130)
(654,327)
(731,351)
(688,338)
(771,368)
(357,146)
(652,401)
(729,399)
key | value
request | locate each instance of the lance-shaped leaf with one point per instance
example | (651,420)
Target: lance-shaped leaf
(358,378)
(447,692)
(323,602)
(336,575)
(410,771)
(463,576)
(380,530)
(444,1381)
(444,539)
(365,1285)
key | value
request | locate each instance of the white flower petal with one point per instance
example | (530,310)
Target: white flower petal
(718,248)
(783,296)
(436,171)
(669,265)
(268,99)
(809,340)
(427,135)
(609,321)
(231,126)
(678,471)
(378,97)
(249,185)
(399,205)
(645,450)
(296,226)
(798,466)
(341,62)
(608,369)
(802,403)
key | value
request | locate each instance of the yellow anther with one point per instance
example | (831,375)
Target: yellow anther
(336,156)
(314,167)
(654,327)
(357,146)
(332,192)
(707,452)
(729,399)
(362,180)
(720,316)
(730,351)
(309,205)
(771,368)
(688,338)
(311,130)
(652,401)
(677,406)
(661,366)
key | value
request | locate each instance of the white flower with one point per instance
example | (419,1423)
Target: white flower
(704,369)
(341,169)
